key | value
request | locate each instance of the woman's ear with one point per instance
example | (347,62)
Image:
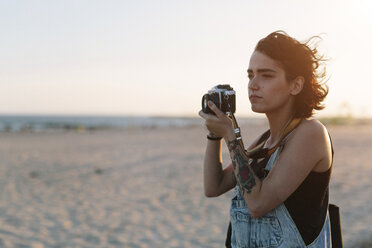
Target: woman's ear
(297,85)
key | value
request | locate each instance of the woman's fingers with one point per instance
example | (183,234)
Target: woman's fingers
(219,123)
(216,110)
(207,116)
(204,115)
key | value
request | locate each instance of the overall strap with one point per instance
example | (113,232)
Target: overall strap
(259,151)
(260,157)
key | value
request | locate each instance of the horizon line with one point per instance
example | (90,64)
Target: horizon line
(255,116)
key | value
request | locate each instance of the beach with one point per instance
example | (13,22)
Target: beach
(142,187)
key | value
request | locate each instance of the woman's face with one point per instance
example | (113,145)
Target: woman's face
(268,88)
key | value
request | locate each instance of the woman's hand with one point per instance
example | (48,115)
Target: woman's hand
(219,124)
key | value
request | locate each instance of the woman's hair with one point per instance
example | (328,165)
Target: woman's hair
(298,59)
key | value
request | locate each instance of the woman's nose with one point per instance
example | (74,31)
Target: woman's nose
(253,85)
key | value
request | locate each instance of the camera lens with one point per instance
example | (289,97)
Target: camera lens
(205,103)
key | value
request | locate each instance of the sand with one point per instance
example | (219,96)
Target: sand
(143,188)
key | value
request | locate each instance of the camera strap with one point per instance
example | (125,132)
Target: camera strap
(236,130)
(289,127)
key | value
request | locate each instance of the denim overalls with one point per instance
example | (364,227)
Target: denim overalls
(275,229)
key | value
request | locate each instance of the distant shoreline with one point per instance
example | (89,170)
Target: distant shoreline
(40,123)
(51,123)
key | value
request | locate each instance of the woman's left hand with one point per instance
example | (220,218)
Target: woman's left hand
(219,124)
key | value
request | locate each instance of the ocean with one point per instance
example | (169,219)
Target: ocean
(41,123)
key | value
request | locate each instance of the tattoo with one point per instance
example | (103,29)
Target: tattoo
(242,170)
(234,178)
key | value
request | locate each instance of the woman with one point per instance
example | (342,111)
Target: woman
(281,182)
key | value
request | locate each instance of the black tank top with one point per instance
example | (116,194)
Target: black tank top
(308,204)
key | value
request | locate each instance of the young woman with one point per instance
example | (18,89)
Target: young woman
(281,181)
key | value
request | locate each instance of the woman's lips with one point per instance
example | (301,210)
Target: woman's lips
(254,98)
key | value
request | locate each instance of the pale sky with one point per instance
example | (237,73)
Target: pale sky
(159,57)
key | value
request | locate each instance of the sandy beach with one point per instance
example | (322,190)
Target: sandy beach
(143,188)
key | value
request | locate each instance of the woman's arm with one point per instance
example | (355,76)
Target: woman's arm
(217,180)
(307,149)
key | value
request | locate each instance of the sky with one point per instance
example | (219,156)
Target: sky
(89,57)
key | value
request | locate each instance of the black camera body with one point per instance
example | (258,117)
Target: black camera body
(223,96)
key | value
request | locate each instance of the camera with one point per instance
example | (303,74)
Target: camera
(223,96)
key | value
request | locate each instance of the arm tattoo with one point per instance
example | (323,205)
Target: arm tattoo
(243,172)
(234,178)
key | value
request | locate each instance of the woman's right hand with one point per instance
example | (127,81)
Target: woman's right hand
(219,124)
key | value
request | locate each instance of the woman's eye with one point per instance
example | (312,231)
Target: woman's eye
(250,76)
(267,76)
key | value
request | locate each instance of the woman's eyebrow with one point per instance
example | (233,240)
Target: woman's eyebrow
(266,70)
(263,70)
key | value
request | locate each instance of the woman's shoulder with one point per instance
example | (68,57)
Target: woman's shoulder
(312,136)
(312,128)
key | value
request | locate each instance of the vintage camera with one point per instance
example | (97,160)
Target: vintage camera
(223,96)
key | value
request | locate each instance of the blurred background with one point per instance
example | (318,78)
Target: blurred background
(159,58)
(100,142)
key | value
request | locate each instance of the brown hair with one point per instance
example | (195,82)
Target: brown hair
(298,59)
